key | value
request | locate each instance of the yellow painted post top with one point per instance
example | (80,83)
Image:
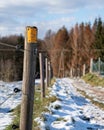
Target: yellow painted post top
(31,34)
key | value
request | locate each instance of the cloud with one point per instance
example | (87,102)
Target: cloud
(53,14)
(54,25)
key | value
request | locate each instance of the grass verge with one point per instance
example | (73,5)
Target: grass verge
(16,114)
(39,107)
(93,79)
(100,105)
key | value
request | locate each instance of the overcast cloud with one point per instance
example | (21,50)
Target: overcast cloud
(15,15)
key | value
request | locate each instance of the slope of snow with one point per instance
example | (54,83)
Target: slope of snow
(8,101)
(71,111)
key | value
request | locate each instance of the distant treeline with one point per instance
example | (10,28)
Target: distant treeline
(11,60)
(78,45)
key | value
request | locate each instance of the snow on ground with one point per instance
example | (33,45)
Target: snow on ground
(96,92)
(71,111)
(8,101)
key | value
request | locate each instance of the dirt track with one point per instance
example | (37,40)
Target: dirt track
(96,92)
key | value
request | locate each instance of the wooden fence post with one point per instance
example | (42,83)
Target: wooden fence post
(47,72)
(91,65)
(49,69)
(30,53)
(71,72)
(42,75)
(84,69)
(99,64)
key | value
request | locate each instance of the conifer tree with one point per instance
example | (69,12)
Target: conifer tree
(99,39)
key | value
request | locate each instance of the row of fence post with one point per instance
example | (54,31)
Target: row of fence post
(29,70)
(44,83)
(73,71)
(30,55)
(91,68)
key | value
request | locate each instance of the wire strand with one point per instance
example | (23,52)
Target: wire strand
(12,46)
(41,51)
(6,99)
(16,90)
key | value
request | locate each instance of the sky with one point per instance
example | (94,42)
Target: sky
(15,15)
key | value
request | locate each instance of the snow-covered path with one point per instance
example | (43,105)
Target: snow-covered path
(71,111)
(96,92)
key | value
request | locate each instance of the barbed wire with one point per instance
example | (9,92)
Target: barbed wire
(9,45)
(16,90)
(18,47)
(7,49)
(6,99)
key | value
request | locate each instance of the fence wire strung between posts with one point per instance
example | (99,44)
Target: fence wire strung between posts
(15,91)
(98,66)
(30,55)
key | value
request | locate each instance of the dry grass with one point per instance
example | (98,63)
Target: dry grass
(94,80)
